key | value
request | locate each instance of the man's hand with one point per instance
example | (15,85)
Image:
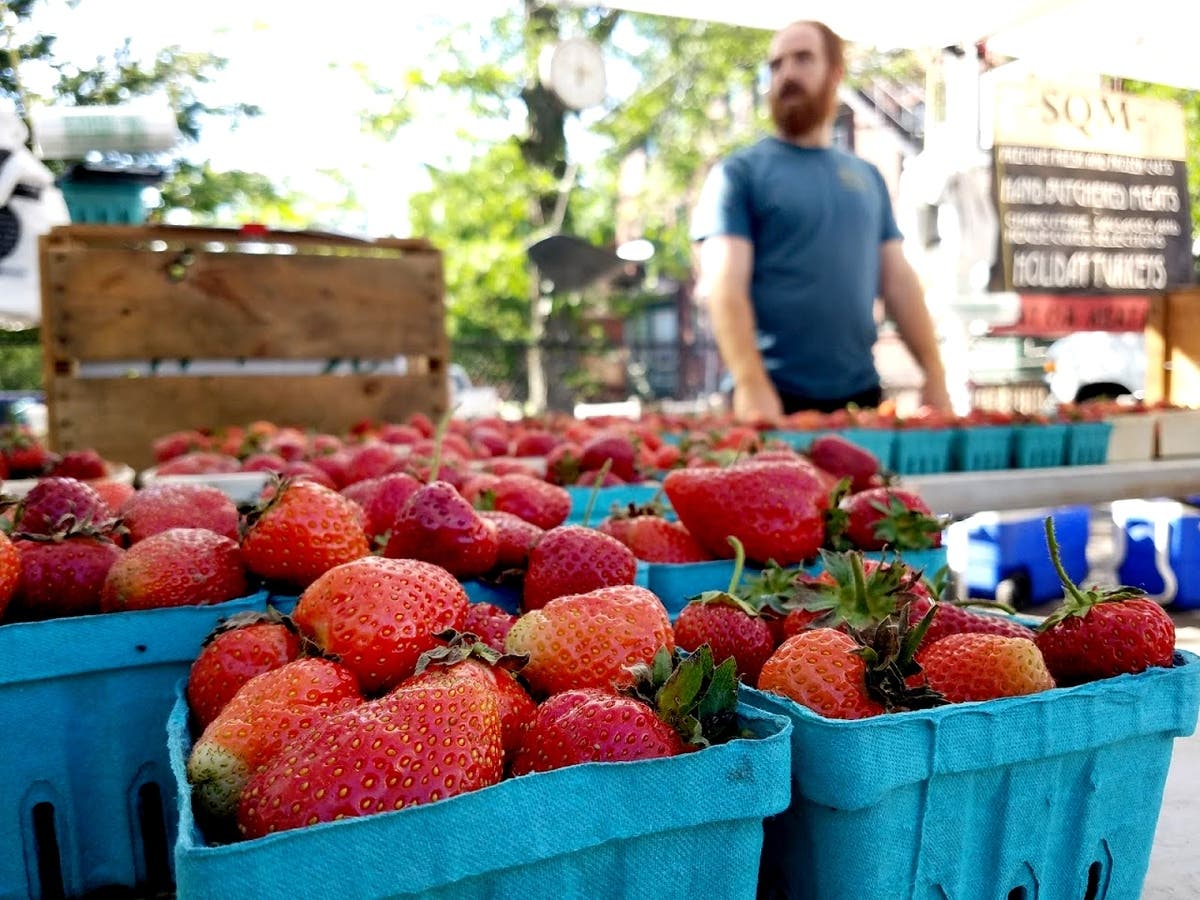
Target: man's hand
(757,403)
(935,396)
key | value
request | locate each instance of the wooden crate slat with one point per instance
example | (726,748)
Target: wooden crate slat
(120,417)
(115,303)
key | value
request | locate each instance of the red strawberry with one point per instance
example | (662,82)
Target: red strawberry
(670,709)
(10,571)
(384,755)
(301,532)
(170,504)
(382,499)
(572,559)
(200,462)
(113,493)
(653,538)
(590,639)
(950,618)
(177,443)
(730,627)
(24,455)
(515,538)
(490,623)
(379,615)
(536,442)
(885,517)
(270,710)
(244,645)
(534,500)
(62,575)
(439,525)
(964,667)
(54,504)
(176,567)
(844,459)
(821,670)
(613,447)
(776,509)
(81,464)
(370,460)
(562,463)
(1102,633)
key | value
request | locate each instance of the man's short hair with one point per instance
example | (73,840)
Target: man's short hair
(835,47)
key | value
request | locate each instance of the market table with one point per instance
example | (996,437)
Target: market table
(966,493)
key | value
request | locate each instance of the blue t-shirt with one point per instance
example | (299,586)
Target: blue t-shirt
(816,217)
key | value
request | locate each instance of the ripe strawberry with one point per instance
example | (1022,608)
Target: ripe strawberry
(533,499)
(776,509)
(572,559)
(419,744)
(562,463)
(242,646)
(844,459)
(379,615)
(177,443)
(61,575)
(613,447)
(670,709)
(10,571)
(301,532)
(170,504)
(515,538)
(370,460)
(270,710)
(536,442)
(200,462)
(490,623)
(949,618)
(1101,633)
(54,504)
(965,667)
(884,517)
(589,639)
(24,455)
(729,625)
(81,464)
(655,539)
(439,525)
(383,499)
(113,493)
(176,567)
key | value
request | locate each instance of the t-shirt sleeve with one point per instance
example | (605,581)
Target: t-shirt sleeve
(723,207)
(888,229)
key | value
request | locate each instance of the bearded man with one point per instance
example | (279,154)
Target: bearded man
(796,239)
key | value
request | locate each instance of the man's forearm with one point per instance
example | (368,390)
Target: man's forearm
(733,326)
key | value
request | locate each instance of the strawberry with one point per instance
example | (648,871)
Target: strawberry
(844,459)
(301,532)
(729,625)
(379,615)
(562,463)
(370,460)
(776,509)
(56,503)
(267,712)
(950,618)
(200,462)
(670,709)
(1101,633)
(383,499)
(614,448)
(10,571)
(81,464)
(965,667)
(23,454)
(884,517)
(419,744)
(61,575)
(177,443)
(533,499)
(113,493)
(515,538)
(242,646)
(572,559)
(535,442)
(439,525)
(168,504)
(490,623)
(176,567)
(589,639)
(653,538)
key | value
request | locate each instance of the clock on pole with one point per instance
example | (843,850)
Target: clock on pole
(574,69)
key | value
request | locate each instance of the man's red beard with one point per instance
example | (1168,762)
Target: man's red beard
(798,113)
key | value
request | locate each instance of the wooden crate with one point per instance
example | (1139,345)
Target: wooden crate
(147,330)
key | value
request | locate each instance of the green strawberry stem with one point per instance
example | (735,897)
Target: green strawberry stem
(1056,557)
(600,473)
(739,562)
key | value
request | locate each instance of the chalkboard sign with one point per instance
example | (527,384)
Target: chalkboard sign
(1091,190)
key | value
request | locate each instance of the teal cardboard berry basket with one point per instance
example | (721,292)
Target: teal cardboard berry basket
(1087,443)
(87,798)
(682,827)
(922,451)
(1053,796)
(979,448)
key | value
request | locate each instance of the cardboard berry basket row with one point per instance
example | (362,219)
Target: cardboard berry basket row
(676,827)
(87,799)
(1051,795)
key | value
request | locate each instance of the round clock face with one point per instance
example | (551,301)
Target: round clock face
(577,73)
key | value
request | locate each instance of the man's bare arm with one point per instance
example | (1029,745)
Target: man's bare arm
(723,285)
(904,301)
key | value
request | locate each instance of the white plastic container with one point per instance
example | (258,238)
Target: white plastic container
(72,132)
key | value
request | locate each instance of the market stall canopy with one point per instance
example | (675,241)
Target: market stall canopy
(1150,41)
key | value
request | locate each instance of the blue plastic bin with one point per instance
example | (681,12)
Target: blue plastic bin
(1053,796)
(87,798)
(1158,535)
(1012,546)
(683,827)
